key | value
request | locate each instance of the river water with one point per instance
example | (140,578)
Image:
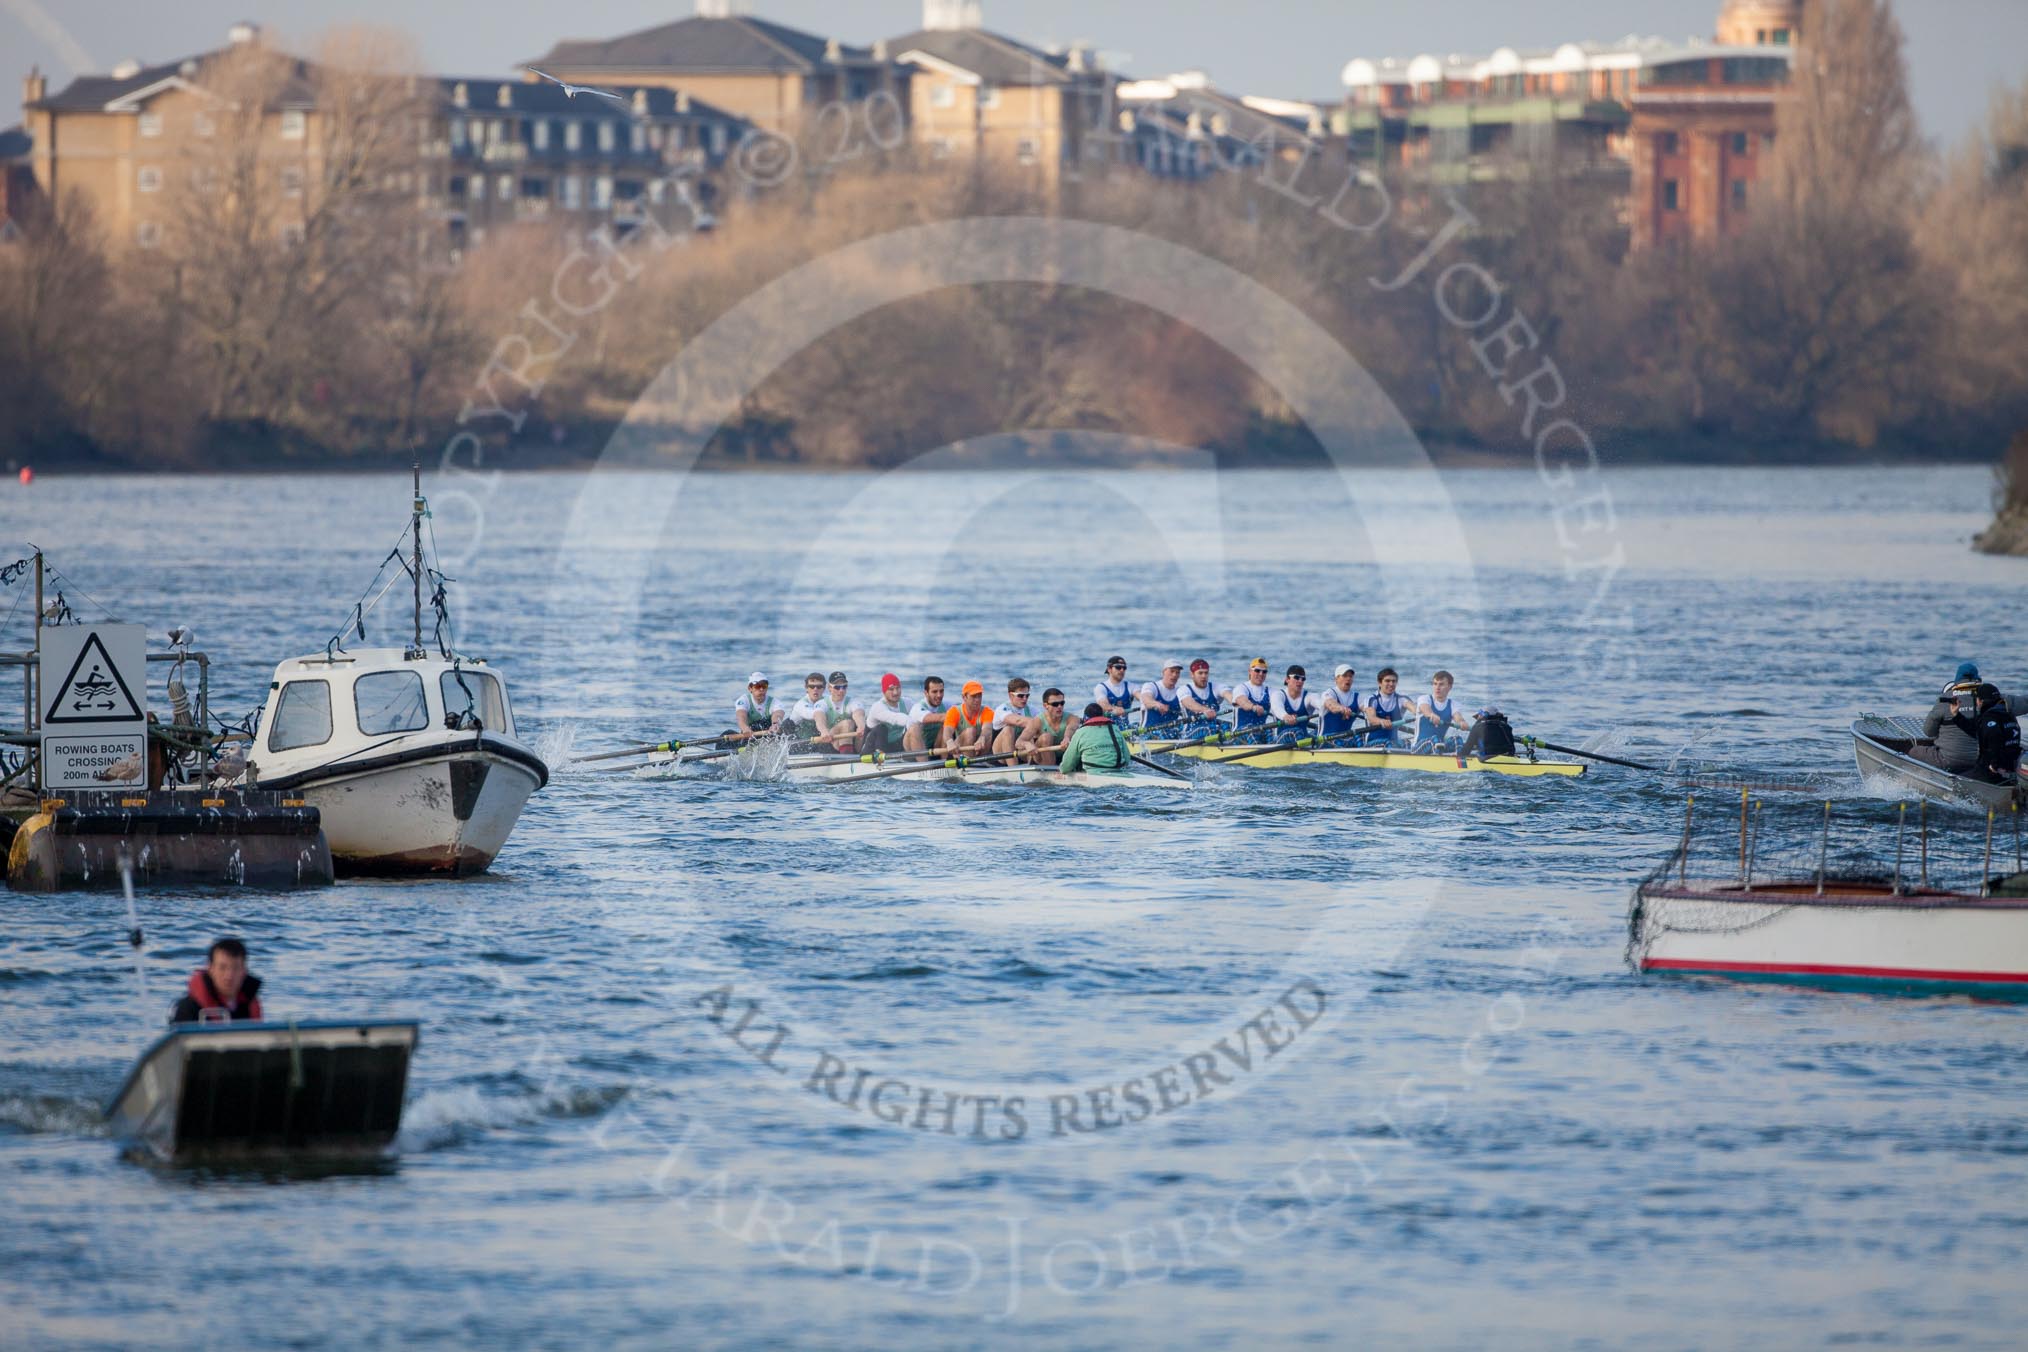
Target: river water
(1290,1057)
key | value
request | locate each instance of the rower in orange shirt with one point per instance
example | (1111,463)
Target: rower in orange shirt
(968,728)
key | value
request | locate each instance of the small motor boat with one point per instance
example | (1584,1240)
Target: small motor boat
(1882,746)
(235,1091)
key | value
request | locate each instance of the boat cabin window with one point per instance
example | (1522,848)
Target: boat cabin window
(390,701)
(473,697)
(302,716)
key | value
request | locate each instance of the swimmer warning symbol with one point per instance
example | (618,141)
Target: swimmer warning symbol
(94,683)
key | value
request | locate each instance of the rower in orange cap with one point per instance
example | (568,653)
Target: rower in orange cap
(968,728)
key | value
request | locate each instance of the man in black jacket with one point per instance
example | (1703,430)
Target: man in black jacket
(221,991)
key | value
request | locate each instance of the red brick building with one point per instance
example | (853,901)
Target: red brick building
(1703,125)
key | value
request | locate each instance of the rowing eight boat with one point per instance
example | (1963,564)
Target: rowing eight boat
(988,774)
(1375,758)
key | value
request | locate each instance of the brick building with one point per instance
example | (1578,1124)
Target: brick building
(493,152)
(768,73)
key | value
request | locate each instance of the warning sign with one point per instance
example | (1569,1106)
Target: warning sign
(93,689)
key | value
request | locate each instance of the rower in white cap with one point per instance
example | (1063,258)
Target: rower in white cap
(756,712)
(1162,701)
(1341,704)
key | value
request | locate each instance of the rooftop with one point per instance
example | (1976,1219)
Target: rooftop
(735,44)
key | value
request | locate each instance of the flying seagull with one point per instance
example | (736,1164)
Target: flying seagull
(571,91)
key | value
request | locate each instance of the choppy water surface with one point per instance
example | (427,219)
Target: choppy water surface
(909,1065)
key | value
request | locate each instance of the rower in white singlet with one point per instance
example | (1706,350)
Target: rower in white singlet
(1250,701)
(1390,715)
(1203,698)
(886,719)
(1114,697)
(1438,715)
(926,716)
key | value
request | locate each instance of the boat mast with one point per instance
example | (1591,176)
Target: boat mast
(415,556)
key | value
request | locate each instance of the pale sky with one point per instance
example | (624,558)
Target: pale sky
(1959,50)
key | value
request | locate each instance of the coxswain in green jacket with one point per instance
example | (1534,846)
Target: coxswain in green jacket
(1096,745)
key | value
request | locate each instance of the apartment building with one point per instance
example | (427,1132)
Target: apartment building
(505,151)
(490,151)
(767,73)
(981,97)
(1680,127)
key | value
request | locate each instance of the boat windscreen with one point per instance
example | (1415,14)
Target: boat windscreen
(390,701)
(476,699)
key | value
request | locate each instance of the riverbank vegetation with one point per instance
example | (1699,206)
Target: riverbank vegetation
(1876,305)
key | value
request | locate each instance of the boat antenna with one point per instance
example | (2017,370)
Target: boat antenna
(415,649)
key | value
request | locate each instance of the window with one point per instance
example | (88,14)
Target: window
(390,701)
(1740,143)
(1754,69)
(1025,151)
(1668,194)
(537,188)
(989,96)
(148,235)
(606,137)
(541,134)
(572,192)
(456,187)
(506,186)
(1781,37)
(1666,143)
(473,695)
(718,138)
(151,124)
(302,716)
(202,124)
(292,125)
(573,136)
(148,178)
(943,95)
(1739,194)
(637,138)
(457,133)
(655,187)
(478,187)
(627,190)
(292,181)
(602,193)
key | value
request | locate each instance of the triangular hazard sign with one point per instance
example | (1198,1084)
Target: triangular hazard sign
(94,692)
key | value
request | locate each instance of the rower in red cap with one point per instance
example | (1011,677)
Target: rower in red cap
(886,720)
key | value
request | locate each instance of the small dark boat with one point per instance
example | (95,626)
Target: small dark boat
(1882,747)
(226,1091)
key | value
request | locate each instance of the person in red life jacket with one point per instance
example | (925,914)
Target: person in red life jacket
(221,991)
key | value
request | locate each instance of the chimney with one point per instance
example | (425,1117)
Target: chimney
(880,49)
(34,88)
(950,15)
(682,101)
(242,33)
(1074,62)
(714,9)
(833,53)
(506,99)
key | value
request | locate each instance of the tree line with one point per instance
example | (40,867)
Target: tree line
(1875,301)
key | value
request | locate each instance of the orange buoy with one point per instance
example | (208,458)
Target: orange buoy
(27,475)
